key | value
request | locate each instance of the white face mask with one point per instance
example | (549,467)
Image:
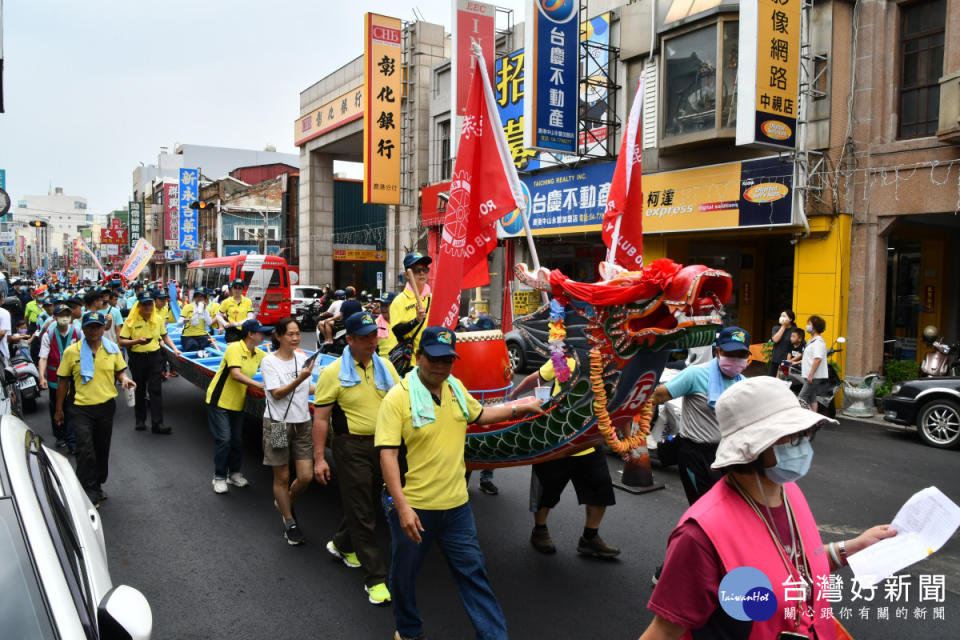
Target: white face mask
(809,328)
(63,321)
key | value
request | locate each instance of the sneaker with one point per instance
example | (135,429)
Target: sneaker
(656,575)
(350,559)
(419,636)
(541,540)
(489,488)
(597,548)
(162,429)
(378,594)
(140,427)
(293,535)
(220,485)
(237,480)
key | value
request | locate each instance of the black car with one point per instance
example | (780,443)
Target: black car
(929,405)
(528,345)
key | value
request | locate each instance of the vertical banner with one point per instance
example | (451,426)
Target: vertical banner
(508,90)
(473,22)
(189,193)
(139,258)
(382,91)
(594,96)
(135,218)
(171,214)
(768,73)
(552,75)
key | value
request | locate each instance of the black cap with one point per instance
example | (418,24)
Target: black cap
(415,257)
(254,326)
(61,309)
(145,297)
(360,324)
(91,318)
(236,283)
(438,342)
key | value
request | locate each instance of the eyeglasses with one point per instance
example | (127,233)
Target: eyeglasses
(794,439)
(419,271)
(440,359)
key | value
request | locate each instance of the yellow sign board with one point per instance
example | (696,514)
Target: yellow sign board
(336,113)
(359,255)
(701,198)
(383,70)
(525,302)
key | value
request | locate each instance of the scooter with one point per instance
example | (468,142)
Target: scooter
(943,359)
(791,373)
(308,315)
(28,380)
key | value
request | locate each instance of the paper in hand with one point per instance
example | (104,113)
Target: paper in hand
(924,524)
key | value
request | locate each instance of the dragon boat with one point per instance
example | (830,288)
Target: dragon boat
(619,332)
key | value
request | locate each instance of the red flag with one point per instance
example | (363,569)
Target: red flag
(625,202)
(484,187)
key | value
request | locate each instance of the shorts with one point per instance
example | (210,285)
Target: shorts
(810,391)
(299,441)
(589,474)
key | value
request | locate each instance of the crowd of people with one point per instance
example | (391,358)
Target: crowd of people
(395,420)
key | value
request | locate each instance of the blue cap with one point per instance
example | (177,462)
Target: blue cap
(387,297)
(49,300)
(360,324)
(91,318)
(236,283)
(254,326)
(146,296)
(415,257)
(438,342)
(733,339)
(61,309)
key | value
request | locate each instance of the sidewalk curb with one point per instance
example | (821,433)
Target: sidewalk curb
(876,421)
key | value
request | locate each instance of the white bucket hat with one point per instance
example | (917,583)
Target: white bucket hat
(754,414)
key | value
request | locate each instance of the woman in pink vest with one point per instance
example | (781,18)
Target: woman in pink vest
(746,560)
(54,342)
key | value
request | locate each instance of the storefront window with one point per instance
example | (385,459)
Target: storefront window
(731,54)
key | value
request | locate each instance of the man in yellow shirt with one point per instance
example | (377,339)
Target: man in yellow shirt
(90,369)
(226,396)
(348,394)
(407,318)
(387,339)
(141,334)
(589,474)
(428,411)
(195,319)
(234,311)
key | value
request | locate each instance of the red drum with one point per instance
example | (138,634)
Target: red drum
(484,365)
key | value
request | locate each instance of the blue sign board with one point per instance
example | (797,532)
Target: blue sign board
(3,179)
(571,201)
(508,91)
(551,74)
(189,193)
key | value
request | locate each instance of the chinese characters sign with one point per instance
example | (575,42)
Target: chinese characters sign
(189,193)
(769,73)
(113,235)
(171,214)
(381,126)
(339,111)
(552,75)
(508,91)
(474,23)
(358,255)
(135,216)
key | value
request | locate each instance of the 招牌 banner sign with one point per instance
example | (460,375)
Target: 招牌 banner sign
(474,22)
(171,213)
(139,258)
(135,217)
(338,112)
(189,193)
(382,90)
(768,74)
(551,75)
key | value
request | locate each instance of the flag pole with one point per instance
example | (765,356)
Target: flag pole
(509,168)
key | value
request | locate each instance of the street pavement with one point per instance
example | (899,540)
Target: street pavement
(217,566)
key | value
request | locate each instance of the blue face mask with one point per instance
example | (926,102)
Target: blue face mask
(793,462)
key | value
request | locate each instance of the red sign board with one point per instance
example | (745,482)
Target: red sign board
(474,23)
(113,235)
(171,213)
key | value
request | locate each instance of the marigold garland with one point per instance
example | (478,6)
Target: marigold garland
(642,419)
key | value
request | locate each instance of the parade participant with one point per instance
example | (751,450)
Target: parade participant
(588,472)
(53,343)
(286,381)
(755,517)
(91,366)
(112,309)
(32,310)
(141,334)
(387,340)
(814,366)
(226,396)
(780,337)
(93,301)
(163,305)
(76,310)
(6,325)
(44,320)
(407,316)
(133,295)
(20,340)
(428,412)
(348,395)
(196,320)
(234,311)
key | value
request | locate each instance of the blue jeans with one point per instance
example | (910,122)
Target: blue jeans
(226,427)
(194,343)
(456,533)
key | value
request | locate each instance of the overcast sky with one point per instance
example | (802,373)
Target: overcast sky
(91,89)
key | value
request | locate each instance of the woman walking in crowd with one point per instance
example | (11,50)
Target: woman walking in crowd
(286,378)
(814,366)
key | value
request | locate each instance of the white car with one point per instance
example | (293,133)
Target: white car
(303,293)
(53,560)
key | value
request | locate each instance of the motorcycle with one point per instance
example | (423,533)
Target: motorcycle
(308,315)
(28,380)
(943,359)
(791,373)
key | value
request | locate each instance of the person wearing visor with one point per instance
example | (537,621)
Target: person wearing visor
(53,344)
(428,412)
(196,320)
(90,370)
(226,396)
(756,517)
(141,335)
(408,317)
(234,311)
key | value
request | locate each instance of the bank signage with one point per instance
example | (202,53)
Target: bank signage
(383,72)
(336,113)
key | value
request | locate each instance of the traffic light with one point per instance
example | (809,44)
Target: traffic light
(38,223)
(200,205)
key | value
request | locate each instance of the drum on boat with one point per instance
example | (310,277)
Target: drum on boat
(484,365)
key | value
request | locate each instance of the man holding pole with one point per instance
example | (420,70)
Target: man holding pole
(408,311)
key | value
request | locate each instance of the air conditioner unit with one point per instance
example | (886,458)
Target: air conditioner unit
(949,130)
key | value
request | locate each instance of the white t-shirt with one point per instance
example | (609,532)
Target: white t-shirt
(279,373)
(816,348)
(4,326)
(334,307)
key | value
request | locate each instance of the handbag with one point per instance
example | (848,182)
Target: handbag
(278,429)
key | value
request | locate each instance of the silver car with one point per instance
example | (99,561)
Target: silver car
(53,560)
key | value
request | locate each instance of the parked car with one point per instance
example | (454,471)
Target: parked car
(55,581)
(303,293)
(527,342)
(931,406)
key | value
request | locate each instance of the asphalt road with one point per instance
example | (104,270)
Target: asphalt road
(217,567)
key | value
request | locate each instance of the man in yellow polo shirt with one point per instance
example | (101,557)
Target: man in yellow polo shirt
(195,319)
(349,393)
(90,368)
(234,311)
(226,396)
(586,469)
(429,412)
(141,334)
(407,318)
